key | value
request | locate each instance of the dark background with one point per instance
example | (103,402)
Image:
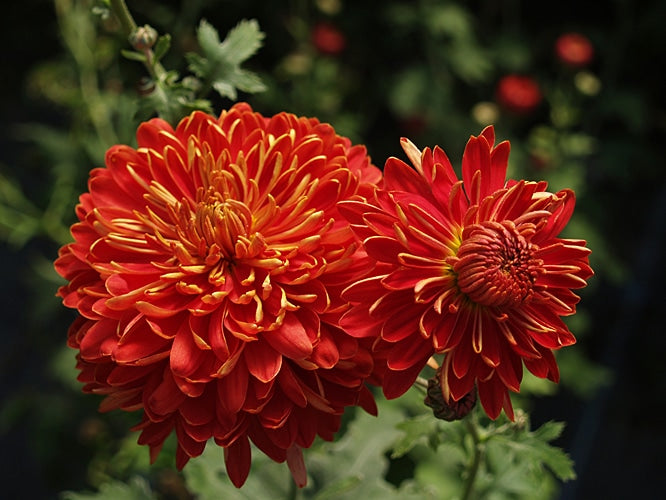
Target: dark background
(616,437)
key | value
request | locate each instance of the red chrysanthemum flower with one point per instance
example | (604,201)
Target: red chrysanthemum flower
(328,39)
(472,268)
(518,94)
(207,269)
(574,50)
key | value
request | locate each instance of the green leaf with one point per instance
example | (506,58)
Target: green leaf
(355,465)
(207,478)
(136,489)
(219,64)
(242,42)
(425,429)
(134,56)
(225,89)
(162,46)
(533,447)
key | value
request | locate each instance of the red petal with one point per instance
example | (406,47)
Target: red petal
(560,216)
(291,386)
(275,413)
(358,323)
(499,157)
(462,358)
(353,211)
(489,133)
(262,360)
(199,411)
(458,388)
(489,339)
(292,340)
(401,324)
(396,383)
(361,290)
(325,353)
(383,248)
(139,344)
(186,356)
(476,158)
(492,394)
(545,366)
(366,400)
(99,340)
(296,465)
(510,370)
(165,399)
(409,352)
(232,389)
(398,176)
(237,458)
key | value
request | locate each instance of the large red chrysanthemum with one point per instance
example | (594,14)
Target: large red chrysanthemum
(472,268)
(207,269)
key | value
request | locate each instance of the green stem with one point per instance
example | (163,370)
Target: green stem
(129,26)
(476,459)
(155,68)
(79,37)
(119,8)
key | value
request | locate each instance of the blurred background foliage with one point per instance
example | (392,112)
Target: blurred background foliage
(431,70)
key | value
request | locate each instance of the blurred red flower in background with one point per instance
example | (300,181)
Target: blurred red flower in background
(574,50)
(518,94)
(472,268)
(328,39)
(207,267)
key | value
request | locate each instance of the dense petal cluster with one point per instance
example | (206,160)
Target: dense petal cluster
(472,268)
(207,267)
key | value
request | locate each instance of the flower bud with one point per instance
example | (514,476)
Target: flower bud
(143,38)
(448,410)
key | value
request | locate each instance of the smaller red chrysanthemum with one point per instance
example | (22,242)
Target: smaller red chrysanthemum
(470,268)
(207,267)
(574,50)
(328,39)
(518,94)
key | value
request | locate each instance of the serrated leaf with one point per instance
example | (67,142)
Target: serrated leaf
(242,41)
(419,429)
(197,64)
(219,63)
(534,447)
(355,465)
(162,46)
(248,81)
(206,477)
(549,431)
(225,89)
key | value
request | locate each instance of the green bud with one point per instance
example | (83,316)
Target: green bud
(143,38)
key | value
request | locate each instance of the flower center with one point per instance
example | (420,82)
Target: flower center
(495,265)
(215,229)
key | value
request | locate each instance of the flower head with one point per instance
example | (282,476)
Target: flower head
(207,267)
(328,39)
(518,94)
(574,50)
(471,268)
